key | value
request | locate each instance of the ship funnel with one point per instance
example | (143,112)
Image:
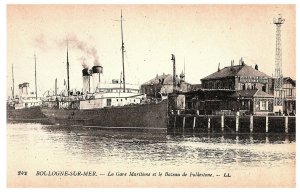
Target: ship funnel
(20,90)
(86,79)
(96,71)
(23,89)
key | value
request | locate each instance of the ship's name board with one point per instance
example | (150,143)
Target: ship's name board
(248,79)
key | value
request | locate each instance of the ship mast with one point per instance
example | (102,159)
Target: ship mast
(68,88)
(35,76)
(13,81)
(174,73)
(184,69)
(122,52)
(55,87)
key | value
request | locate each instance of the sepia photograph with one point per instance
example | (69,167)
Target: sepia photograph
(151,95)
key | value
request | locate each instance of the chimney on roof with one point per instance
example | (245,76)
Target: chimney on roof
(219,67)
(242,61)
(231,65)
(182,77)
(256,67)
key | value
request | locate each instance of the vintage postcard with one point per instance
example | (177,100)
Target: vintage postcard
(151,95)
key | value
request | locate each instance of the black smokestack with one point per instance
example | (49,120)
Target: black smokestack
(85,72)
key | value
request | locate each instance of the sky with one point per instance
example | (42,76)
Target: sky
(201,36)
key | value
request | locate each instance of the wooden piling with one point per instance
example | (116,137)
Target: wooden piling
(183,123)
(251,123)
(237,123)
(222,122)
(267,124)
(194,123)
(174,121)
(267,140)
(251,139)
(208,124)
(286,124)
(222,139)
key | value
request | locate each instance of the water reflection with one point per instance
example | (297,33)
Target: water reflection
(153,147)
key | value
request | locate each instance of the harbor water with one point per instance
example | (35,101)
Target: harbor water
(35,147)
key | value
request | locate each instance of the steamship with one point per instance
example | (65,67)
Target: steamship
(116,104)
(25,107)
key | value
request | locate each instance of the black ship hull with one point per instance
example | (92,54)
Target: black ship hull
(26,115)
(135,116)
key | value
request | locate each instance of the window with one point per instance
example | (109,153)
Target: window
(289,92)
(263,105)
(108,102)
(264,87)
(243,86)
(249,87)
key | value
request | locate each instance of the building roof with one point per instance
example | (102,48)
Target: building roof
(236,70)
(165,79)
(289,80)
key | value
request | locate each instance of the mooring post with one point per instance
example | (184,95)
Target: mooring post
(208,124)
(251,123)
(286,124)
(222,122)
(236,139)
(174,122)
(237,123)
(222,139)
(183,123)
(194,122)
(267,140)
(267,124)
(251,139)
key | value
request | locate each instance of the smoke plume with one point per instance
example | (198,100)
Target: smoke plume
(88,51)
(41,42)
(83,62)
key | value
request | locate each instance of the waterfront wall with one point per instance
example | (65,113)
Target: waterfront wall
(232,124)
